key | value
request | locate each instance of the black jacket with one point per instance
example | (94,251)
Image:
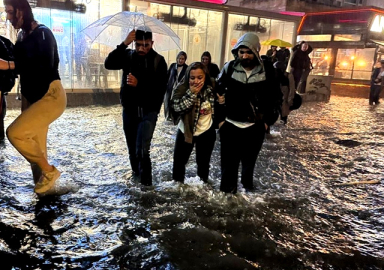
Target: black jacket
(149,92)
(7,77)
(37,62)
(300,59)
(172,77)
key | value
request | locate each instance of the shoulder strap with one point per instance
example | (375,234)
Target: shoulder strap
(230,68)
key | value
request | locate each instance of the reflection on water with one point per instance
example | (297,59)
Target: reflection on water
(296,219)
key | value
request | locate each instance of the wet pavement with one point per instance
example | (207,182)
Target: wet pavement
(298,218)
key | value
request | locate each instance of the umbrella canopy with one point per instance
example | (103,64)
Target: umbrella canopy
(276,42)
(113,29)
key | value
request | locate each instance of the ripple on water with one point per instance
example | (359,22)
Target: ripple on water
(295,219)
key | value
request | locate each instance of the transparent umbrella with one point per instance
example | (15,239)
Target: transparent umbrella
(113,29)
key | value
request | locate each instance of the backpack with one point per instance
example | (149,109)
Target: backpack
(7,77)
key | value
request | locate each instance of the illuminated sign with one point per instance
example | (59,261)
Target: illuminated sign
(220,2)
(378,24)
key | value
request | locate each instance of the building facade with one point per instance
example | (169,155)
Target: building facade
(347,43)
(201,26)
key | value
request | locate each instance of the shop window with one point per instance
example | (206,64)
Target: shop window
(314,38)
(321,58)
(199,30)
(347,37)
(81,62)
(354,63)
(265,29)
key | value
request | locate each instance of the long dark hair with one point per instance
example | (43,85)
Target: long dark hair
(198,65)
(23,6)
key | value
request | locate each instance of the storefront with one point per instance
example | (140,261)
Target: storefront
(81,63)
(202,26)
(347,43)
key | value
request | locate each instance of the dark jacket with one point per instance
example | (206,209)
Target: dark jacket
(172,78)
(299,58)
(7,77)
(148,95)
(214,70)
(37,61)
(375,73)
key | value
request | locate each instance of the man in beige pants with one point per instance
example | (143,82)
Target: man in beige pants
(37,61)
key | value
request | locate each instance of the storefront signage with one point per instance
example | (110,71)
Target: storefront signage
(58,29)
(378,24)
(220,2)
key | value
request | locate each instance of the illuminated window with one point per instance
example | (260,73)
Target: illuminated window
(314,38)
(354,63)
(321,58)
(347,37)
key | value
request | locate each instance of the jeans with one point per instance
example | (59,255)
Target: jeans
(204,147)
(239,145)
(138,130)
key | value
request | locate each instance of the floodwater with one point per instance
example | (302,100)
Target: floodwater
(298,218)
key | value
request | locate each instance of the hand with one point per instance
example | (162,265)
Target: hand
(220,124)
(196,88)
(131,37)
(131,80)
(221,99)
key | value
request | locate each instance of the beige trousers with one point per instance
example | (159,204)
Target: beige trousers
(28,133)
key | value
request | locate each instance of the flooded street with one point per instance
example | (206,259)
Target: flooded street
(298,218)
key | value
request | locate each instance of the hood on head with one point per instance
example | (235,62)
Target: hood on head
(249,40)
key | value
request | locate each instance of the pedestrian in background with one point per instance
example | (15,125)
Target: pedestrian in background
(271,53)
(377,83)
(7,79)
(213,69)
(300,65)
(176,73)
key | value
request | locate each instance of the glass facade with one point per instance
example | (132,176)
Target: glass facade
(354,63)
(263,27)
(321,59)
(201,30)
(81,62)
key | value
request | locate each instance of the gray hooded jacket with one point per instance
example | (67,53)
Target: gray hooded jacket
(252,98)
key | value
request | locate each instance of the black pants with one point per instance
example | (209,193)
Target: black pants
(239,145)
(374,94)
(204,147)
(138,132)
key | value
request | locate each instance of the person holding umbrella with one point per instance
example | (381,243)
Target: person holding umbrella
(143,86)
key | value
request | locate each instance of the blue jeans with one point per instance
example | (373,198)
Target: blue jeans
(138,130)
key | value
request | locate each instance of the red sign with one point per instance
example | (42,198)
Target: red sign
(220,2)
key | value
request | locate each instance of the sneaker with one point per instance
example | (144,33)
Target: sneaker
(47,180)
